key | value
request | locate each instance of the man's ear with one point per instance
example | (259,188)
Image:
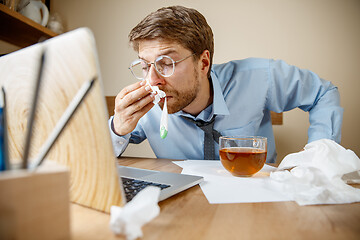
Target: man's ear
(204,62)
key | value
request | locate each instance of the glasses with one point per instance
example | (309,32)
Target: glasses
(164,65)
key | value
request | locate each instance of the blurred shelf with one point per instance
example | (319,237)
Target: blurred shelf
(20,30)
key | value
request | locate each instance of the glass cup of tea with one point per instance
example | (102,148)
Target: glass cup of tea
(243,156)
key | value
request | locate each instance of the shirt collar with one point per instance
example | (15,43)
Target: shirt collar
(218,107)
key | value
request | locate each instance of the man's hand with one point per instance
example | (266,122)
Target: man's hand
(130,105)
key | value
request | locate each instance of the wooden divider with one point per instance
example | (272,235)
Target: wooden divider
(84,145)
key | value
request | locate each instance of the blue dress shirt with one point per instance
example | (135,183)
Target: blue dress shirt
(245,91)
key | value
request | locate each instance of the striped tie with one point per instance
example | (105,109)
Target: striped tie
(210,134)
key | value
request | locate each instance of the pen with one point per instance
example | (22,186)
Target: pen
(32,112)
(65,118)
(2,127)
(4,133)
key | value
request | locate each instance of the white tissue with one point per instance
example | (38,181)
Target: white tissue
(129,219)
(316,177)
(160,94)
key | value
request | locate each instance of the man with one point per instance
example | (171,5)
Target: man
(175,48)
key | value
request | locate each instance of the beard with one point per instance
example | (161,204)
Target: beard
(182,98)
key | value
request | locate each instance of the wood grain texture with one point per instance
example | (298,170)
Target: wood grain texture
(34,205)
(188,215)
(85,145)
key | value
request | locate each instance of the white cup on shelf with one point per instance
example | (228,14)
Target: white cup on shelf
(37,11)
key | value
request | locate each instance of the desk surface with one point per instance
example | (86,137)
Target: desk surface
(188,215)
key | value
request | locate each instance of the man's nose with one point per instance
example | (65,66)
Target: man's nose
(154,77)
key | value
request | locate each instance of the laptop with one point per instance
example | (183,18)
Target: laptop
(85,144)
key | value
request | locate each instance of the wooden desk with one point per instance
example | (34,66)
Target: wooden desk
(188,215)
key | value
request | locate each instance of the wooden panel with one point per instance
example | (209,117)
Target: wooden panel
(35,205)
(84,145)
(20,30)
(110,103)
(276,118)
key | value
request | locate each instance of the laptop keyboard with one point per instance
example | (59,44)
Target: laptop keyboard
(134,186)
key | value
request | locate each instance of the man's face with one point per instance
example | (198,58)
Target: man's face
(182,87)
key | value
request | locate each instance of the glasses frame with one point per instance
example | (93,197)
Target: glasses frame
(137,61)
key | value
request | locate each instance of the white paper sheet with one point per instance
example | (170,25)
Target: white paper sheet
(219,186)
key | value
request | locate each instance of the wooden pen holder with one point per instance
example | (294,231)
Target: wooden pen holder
(35,205)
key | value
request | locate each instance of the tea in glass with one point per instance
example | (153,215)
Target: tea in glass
(243,156)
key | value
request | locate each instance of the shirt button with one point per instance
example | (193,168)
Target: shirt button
(121,142)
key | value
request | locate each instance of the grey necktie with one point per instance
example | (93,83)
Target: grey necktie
(209,136)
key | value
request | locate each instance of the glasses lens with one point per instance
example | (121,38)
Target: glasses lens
(139,68)
(165,65)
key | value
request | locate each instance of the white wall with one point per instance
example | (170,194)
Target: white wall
(320,35)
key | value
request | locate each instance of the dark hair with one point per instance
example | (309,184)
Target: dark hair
(185,26)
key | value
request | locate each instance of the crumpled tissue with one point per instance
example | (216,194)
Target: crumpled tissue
(160,94)
(316,174)
(129,219)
